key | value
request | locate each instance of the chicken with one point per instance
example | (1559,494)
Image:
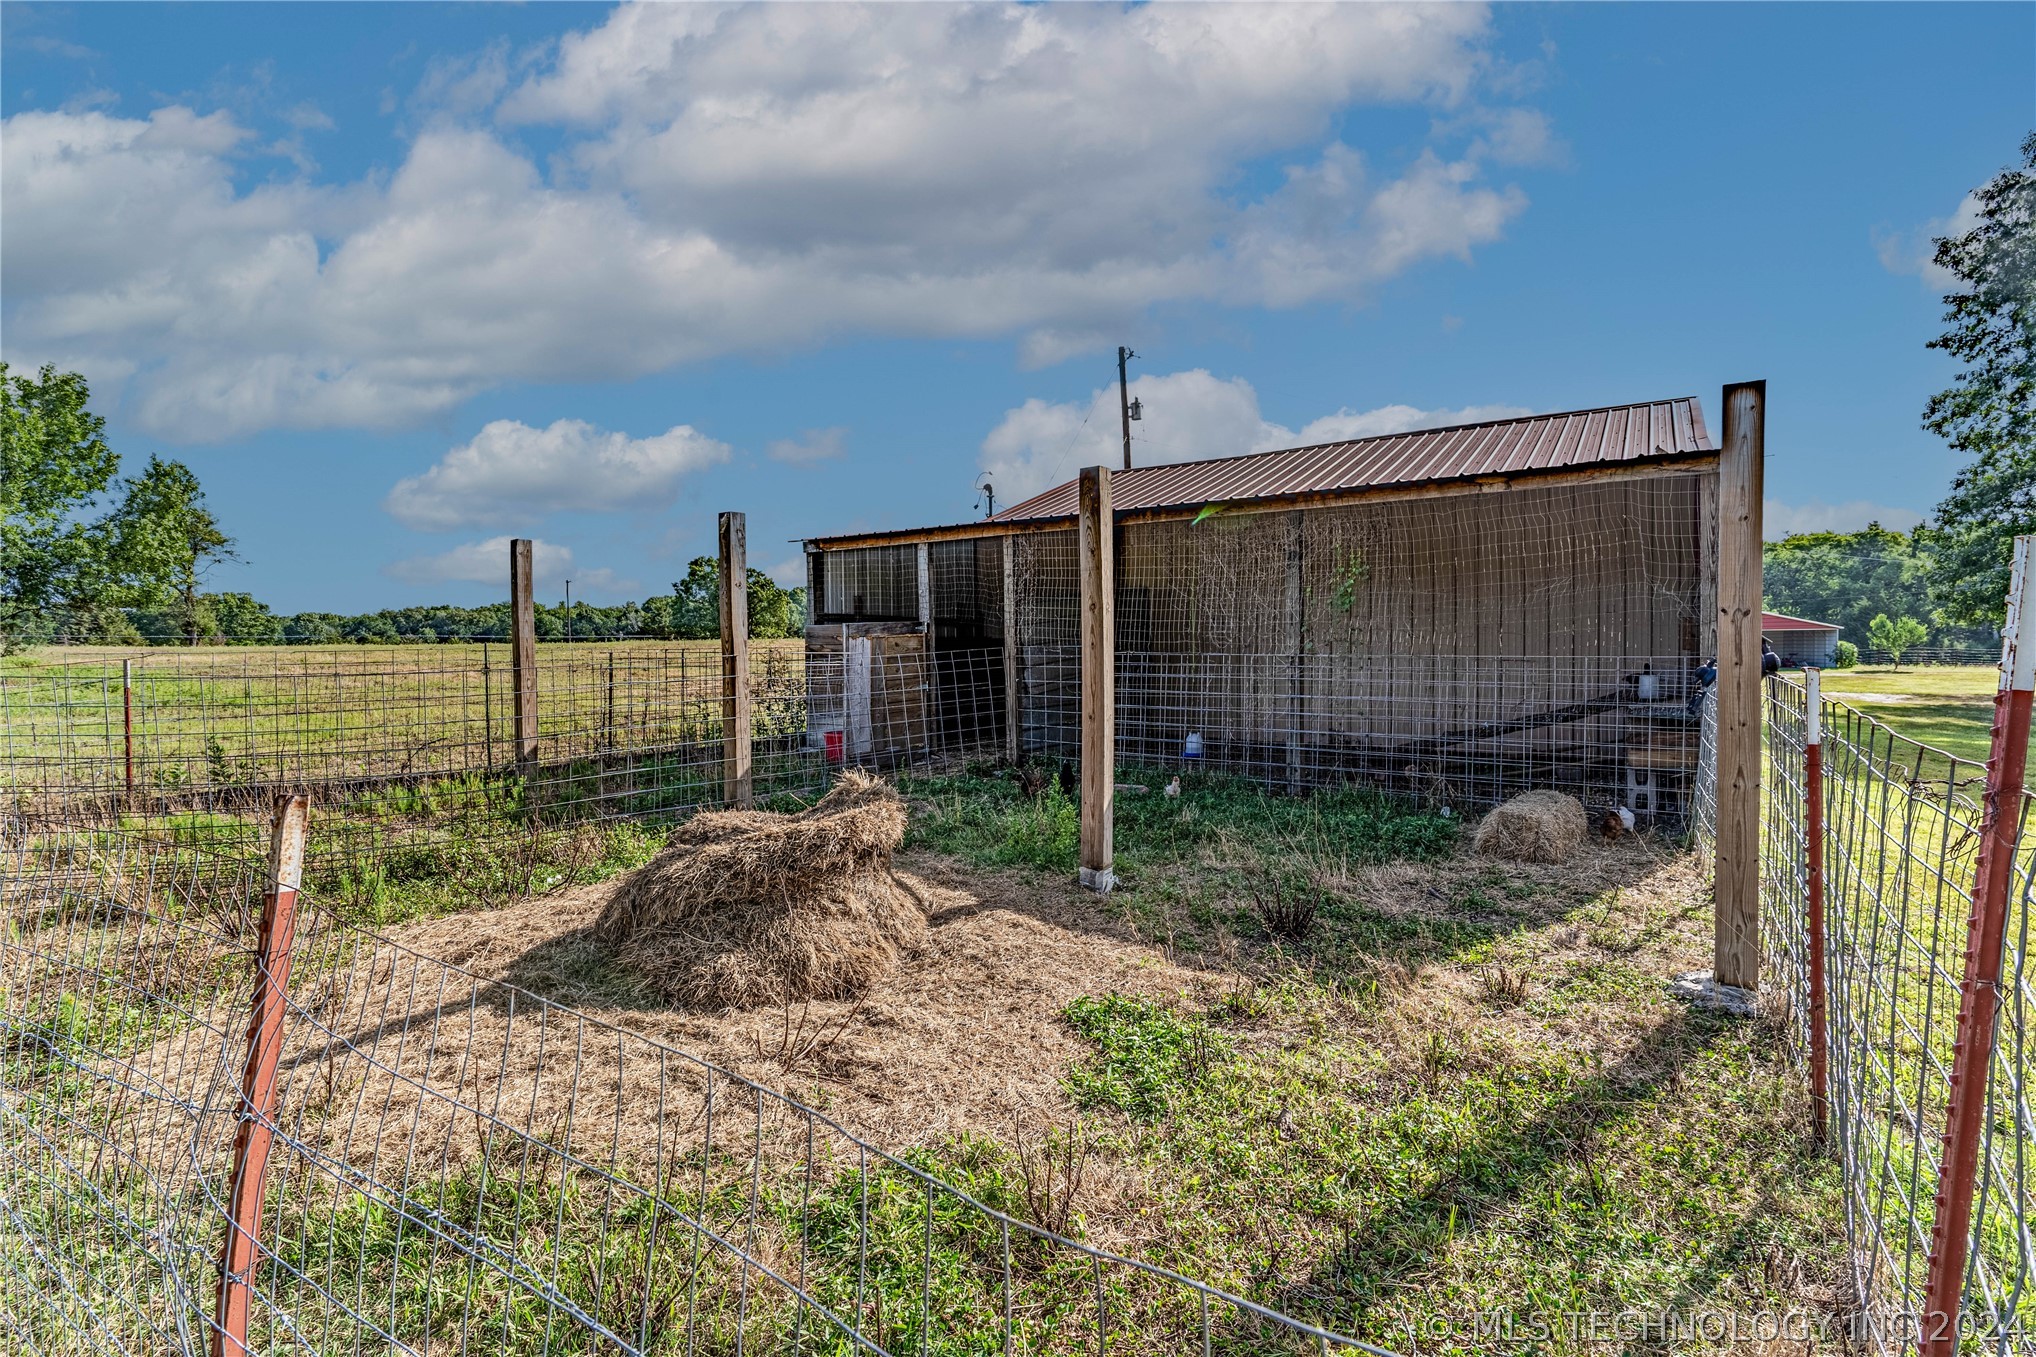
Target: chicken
(1173,788)
(1070,782)
(1032,781)
(1770,663)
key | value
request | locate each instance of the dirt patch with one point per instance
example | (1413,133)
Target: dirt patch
(963,1036)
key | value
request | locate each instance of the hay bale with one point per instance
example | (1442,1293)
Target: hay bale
(746,908)
(1540,826)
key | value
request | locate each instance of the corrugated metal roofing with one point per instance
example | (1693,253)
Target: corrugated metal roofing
(1571,439)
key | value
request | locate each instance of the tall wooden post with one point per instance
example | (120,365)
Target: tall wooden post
(523,652)
(738,787)
(1014,710)
(1294,643)
(1098,621)
(1736,884)
(256,1112)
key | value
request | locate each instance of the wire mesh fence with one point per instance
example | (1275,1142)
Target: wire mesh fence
(461,1165)
(1900,838)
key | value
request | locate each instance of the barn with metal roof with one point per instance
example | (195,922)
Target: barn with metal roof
(1458,611)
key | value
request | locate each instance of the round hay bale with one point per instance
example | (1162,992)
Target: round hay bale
(1539,826)
(748,908)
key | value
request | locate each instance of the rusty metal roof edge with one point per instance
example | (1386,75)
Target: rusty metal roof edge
(1001,526)
(1698,432)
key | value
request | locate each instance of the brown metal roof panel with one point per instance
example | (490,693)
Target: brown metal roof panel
(1688,425)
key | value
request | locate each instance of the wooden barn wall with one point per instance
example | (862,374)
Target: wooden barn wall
(1414,617)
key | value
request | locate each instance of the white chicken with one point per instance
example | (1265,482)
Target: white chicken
(1174,788)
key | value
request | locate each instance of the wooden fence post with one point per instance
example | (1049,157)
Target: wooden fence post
(1098,621)
(523,653)
(1295,643)
(1736,880)
(256,1110)
(1979,995)
(737,785)
(1014,709)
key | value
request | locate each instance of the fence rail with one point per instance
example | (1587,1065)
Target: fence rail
(455,1163)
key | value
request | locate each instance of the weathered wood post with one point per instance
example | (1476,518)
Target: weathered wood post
(929,674)
(256,1112)
(523,653)
(1014,711)
(737,785)
(1098,621)
(1295,642)
(1736,884)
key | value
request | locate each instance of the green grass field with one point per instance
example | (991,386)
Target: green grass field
(1949,707)
(1457,1090)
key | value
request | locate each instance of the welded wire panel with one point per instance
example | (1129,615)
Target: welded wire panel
(1901,839)
(869,584)
(460,1165)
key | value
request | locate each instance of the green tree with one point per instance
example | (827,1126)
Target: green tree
(1989,414)
(244,620)
(1897,636)
(166,540)
(54,466)
(1846,577)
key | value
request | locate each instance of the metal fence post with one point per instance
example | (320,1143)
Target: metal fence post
(1979,999)
(257,1106)
(1813,836)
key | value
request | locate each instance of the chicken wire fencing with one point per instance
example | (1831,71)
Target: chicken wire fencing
(1901,833)
(1460,648)
(458,1164)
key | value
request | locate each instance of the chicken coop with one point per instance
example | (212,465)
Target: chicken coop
(1456,613)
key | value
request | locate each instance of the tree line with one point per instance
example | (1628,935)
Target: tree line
(691,611)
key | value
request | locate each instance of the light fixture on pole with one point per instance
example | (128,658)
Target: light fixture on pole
(986,496)
(1129,408)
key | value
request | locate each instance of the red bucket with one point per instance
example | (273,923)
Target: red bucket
(833,741)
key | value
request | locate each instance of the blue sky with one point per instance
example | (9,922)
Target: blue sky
(401,280)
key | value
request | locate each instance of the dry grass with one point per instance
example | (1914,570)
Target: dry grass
(1537,826)
(748,908)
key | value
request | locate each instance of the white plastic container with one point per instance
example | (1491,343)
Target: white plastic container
(1650,684)
(1192,748)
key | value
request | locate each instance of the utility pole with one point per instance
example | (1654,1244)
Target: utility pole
(1125,355)
(569,612)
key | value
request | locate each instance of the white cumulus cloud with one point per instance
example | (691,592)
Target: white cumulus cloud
(1189,416)
(1778,520)
(511,472)
(738,180)
(487,562)
(1916,251)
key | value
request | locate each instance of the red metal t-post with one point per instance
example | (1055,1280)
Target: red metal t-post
(1813,833)
(257,1108)
(1979,994)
